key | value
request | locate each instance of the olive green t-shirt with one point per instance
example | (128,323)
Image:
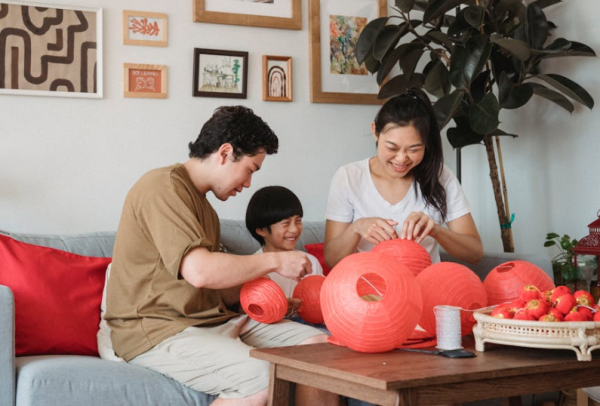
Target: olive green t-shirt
(164,217)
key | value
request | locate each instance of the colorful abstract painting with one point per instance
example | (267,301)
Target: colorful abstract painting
(343,36)
(50,50)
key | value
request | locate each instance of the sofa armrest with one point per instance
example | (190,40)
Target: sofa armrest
(7,347)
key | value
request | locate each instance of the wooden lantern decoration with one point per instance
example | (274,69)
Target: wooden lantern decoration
(586,255)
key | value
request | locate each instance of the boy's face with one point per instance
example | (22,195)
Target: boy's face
(283,235)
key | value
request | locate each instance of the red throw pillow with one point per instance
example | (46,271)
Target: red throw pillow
(57,298)
(318,251)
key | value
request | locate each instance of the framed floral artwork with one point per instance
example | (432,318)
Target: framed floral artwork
(334,28)
(277,78)
(284,14)
(144,28)
(145,81)
(220,73)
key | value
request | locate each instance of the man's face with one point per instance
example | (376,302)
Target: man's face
(237,175)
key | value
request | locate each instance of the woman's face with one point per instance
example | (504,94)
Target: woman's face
(399,149)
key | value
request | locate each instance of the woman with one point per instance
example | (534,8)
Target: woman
(405,191)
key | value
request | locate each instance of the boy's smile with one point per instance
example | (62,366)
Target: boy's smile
(283,235)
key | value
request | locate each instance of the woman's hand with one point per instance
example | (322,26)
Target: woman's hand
(417,226)
(375,229)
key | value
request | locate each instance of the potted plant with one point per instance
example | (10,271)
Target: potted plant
(565,272)
(481,56)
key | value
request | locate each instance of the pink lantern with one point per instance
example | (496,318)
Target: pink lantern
(309,291)
(263,300)
(370,302)
(506,281)
(408,252)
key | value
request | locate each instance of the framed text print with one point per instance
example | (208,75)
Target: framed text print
(146,81)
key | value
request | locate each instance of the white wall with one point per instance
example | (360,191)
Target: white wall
(67,164)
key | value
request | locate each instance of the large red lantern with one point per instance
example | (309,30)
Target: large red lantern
(263,300)
(506,281)
(451,284)
(370,302)
(309,291)
(408,252)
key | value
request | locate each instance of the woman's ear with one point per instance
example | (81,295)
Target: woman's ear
(373,132)
(224,151)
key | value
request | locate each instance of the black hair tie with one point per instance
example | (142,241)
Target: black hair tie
(410,93)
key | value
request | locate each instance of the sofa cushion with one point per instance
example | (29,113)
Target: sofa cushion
(318,251)
(57,298)
(90,381)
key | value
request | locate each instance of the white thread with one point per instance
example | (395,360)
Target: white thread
(447,324)
(371,285)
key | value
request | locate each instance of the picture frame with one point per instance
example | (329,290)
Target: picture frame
(283,14)
(277,78)
(144,81)
(59,60)
(339,79)
(220,73)
(144,28)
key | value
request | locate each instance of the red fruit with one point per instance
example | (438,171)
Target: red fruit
(557,314)
(529,292)
(522,315)
(575,316)
(546,296)
(558,292)
(501,313)
(565,303)
(536,308)
(583,298)
(549,317)
(586,312)
(515,305)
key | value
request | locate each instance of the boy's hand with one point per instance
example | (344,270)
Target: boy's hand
(293,265)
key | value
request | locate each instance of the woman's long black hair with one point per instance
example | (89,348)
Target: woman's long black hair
(413,107)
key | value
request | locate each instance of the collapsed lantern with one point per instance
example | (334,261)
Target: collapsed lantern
(263,300)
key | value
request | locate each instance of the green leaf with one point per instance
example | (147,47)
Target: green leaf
(559,44)
(438,37)
(552,235)
(372,64)
(462,135)
(421,5)
(474,16)
(509,15)
(513,96)
(405,5)
(549,243)
(409,61)
(399,84)
(437,8)
(568,88)
(446,106)
(575,49)
(537,25)
(518,48)
(367,38)
(479,86)
(498,132)
(553,96)
(390,60)
(436,80)
(387,39)
(483,117)
(468,61)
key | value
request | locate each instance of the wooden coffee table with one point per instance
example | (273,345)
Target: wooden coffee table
(407,378)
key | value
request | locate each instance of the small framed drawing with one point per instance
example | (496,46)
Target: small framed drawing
(144,28)
(277,78)
(219,73)
(50,50)
(334,28)
(284,14)
(146,81)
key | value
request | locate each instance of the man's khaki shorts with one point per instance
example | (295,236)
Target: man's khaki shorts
(216,360)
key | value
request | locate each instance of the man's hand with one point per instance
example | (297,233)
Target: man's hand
(294,265)
(293,306)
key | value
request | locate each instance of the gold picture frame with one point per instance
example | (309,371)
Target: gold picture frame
(317,92)
(145,81)
(229,13)
(277,78)
(144,28)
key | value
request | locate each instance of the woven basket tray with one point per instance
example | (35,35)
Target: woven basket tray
(582,337)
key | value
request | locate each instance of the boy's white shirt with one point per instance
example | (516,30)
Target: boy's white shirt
(288,285)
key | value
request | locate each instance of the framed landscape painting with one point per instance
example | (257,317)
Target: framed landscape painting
(220,73)
(50,50)
(283,14)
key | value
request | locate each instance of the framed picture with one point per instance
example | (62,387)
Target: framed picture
(277,78)
(334,28)
(285,14)
(48,50)
(146,81)
(219,73)
(143,28)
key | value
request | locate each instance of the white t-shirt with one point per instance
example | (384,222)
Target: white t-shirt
(353,195)
(288,285)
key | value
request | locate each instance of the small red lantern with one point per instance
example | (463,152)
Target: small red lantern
(407,252)
(309,291)
(586,255)
(263,300)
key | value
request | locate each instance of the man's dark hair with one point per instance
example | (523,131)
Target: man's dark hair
(268,206)
(247,133)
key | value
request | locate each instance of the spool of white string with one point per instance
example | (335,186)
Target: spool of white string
(447,324)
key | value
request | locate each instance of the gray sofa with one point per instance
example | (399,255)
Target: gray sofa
(70,380)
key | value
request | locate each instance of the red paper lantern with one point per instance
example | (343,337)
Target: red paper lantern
(452,284)
(309,291)
(263,300)
(370,302)
(408,252)
(505,281)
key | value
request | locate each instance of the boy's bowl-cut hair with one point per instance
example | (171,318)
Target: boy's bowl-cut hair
(270,205)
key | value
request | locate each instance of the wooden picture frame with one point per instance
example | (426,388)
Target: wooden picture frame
(327,86)
(145,81)
(144,28)
(283,14)
(217,73)
(277,78)
(61,57)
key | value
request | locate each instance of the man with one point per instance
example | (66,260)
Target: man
(171,292)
